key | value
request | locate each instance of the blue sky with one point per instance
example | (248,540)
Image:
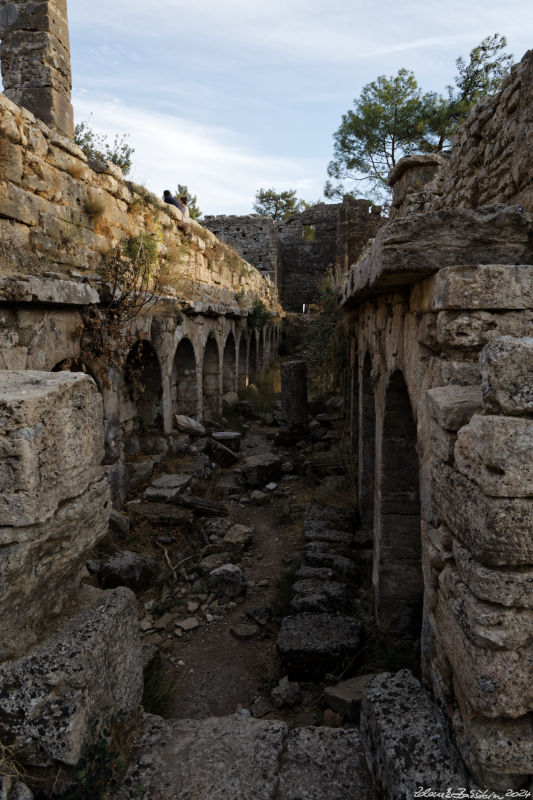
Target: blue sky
(231,96)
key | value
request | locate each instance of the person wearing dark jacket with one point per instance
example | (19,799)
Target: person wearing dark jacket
(169,198)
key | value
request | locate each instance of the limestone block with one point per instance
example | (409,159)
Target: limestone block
(55,701)
(497,531)
(453,406)
(11,160)
(506,369)
(507,586)
(484,674)
(18,205)
(51,443)
(406,738)
(490,286)
(42,564)
(488,625)
(502,747)
(31,289)
(464,331)
(220,758)
(324,763)
(441,442)
(497,454)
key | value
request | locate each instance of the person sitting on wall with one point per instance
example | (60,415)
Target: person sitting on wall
(185,208)
(173,201)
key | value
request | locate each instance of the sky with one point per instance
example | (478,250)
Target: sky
(231,96)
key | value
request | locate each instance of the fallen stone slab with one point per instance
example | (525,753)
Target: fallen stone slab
(406,738)
(160,513)
(189,425)
(231,439)
(238,538)
(167,487)
(55,700)
(312,644)
(345,697)
(224,758)
(223,455)
(202,506)
(261,469)
(130,569)
(324,764)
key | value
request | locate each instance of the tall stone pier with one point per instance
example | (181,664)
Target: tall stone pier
(35,58)
(294,397)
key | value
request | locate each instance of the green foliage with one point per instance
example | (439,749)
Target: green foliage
(393,118)
(259,316)
(97,146)
(326,338)
(192,201)
(143,249)
(280,205)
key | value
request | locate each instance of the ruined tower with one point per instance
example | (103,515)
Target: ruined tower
(35,58)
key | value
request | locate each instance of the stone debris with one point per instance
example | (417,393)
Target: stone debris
(13,789)
(227,581)
(119,523)
(286,694)
(406,738)
(189,425)
(161,513)
(231,439)
(259,498)
(129,569)
(345,698)
(223,455)
(166,488)
(244,631)
(261,469)
(189,624)
(238,538)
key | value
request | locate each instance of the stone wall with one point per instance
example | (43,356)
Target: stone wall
(254,237)
(490,160)
(442,307)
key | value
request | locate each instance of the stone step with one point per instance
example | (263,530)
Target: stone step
(317,516)
(310,644)
(331,536)
(315,595)
(167,487)
(242,758)
(340,564)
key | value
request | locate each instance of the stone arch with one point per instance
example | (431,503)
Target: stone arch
(184,383)
(397,568)
(243,362)
(367,446)
(210,379)
(252,357)
(142,374)
(229,365)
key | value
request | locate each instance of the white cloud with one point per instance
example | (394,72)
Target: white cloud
(222,170)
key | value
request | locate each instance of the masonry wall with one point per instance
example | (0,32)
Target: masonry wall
(254,237)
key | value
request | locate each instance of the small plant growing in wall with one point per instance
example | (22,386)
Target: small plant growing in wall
(259,316)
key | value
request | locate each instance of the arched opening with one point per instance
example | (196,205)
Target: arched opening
(229,366)
(183,389)
(252,357)
(367,448)
(397,570)
(75,365)
(143,381)
(243,366)
(211,390)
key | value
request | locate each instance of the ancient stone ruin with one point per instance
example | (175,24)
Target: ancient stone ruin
(144,502)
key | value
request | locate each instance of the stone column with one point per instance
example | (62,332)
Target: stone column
(294,397)
(35,59)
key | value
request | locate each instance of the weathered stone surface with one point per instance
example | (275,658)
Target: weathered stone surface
(237,538)
(483,674)
(497,454)
(13,789)
(52,442)
(189,425)
(410,248)
(233,757)
(31,289)
(320,558)
(223,455)
(453,406)
(231,439)
(160,513)
(503,747)
(486,624)
(345,697)
(324,764)
(129,569)
(55,700)
(317,517)
(312,644)
(497,287)
(507,586)
(331,596)
(119,523)
(261,469)
(506,369)
(227,581)
(497,531)
(42,565)
(294,394)
(333,537)
(406,738)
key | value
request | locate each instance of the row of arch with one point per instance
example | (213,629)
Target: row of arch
(389,496)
